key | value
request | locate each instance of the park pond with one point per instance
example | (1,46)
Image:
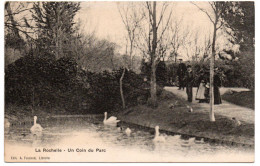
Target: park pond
(89,140)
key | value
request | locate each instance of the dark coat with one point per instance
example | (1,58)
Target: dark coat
(182,69)
(189,79)
(217,84)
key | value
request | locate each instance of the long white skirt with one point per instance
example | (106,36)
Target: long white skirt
(201,92)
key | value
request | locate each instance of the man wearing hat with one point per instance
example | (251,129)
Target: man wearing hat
(189,80)
(181,73)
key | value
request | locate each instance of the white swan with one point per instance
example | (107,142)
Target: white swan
(199,141)
(110,121)
(158,137)
(189,142)
(177,136)
(7,123)
(36,128)
(192,140)
(119,128)
(128,131)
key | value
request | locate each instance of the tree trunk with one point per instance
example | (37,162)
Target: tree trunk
(153,59)
(153,85)
(212,59)
(131,56)
(121,88)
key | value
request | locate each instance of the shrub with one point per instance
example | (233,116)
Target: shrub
(60,83)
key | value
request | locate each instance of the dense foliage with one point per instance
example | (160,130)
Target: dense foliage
(161,72)
(233,73)
(80,73)
(41,82)
(239,20)
(55,26)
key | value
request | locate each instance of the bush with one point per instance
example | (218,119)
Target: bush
(161,72)
(38,82)
(41,82)
(233,73)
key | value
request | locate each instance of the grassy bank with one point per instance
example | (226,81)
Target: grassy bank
(180,120)
(244,98)
(23,114)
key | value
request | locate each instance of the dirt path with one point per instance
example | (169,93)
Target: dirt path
(225,109)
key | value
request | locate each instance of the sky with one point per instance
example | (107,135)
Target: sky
(105,20)
(105,17)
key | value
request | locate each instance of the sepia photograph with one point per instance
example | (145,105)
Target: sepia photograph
(129,82)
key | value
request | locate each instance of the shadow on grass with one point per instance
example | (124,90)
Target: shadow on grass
(245,98)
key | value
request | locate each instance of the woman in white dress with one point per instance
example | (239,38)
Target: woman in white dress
(201,91)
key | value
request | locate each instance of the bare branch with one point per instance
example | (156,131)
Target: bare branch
(7,15)
(221,24)
(213,6)
(150,12)
(203,10)
(24,32)
(162,13)
(166,26)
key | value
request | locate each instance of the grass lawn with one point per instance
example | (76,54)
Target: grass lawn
(180,120)
(244,98)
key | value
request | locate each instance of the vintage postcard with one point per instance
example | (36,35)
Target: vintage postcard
(129,81)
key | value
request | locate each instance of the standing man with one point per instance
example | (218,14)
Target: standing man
(181,73)
(189,82)
(217,84)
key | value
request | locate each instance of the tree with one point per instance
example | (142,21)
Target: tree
(121,88)
(152,16)
(131,20)
(192,46)
(55,26)
(214,16)
(17,25)
(16,34)
(177,37)
(131,16)
(206,47)
(239,20)
(95,54)
(151,38)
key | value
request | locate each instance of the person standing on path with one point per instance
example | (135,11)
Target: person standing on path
(189,79)
(217,84)
(201,91)
(207,88)
(181,73)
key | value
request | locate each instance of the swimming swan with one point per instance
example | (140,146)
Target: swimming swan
(128,132)
(7,123)
(110,121)
(158,137)
(119,128)
(36,128)
(192,140)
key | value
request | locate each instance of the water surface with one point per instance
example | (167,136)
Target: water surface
(89,140)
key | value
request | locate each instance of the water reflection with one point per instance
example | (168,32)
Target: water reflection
(82,132)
